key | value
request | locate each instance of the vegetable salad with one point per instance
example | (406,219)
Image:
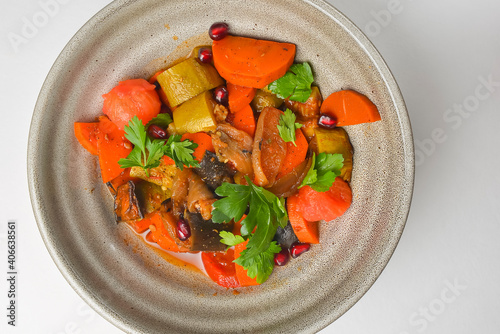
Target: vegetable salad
(231,152)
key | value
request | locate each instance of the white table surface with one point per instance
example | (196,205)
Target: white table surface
(444,275)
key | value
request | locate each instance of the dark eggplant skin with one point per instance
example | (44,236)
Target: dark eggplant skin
(205,233)
(285,236)
(150,196)
(213,172)
(126,204)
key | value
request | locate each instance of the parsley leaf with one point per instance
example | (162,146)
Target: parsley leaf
(162,120)
(230,239)
(265,213)
(295,84)
(181,151)
(146,152)
(287,126)
(324,169)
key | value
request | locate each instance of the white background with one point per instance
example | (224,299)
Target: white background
(444,276)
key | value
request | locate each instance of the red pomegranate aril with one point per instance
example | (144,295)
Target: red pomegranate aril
(205,55)
(221,95)
(218,31)
(327,121)
(298,248)
(157,132)
(183,230)
(281,258)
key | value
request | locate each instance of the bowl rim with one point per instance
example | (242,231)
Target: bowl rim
(332,13)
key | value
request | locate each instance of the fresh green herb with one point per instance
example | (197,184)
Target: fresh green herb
(230,239)
(324,169)
(295,84)
(146,153)
(162,120)
(265,213)
(181,151)
(287,126)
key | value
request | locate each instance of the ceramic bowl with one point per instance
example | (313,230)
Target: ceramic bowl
(134,287)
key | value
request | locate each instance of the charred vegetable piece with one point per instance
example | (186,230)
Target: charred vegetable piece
(205,233)
(127,206)
(162,175)
(264,98)
(285,236)
(150,196)
(336,141)
(308,109)
(234,146)
(188,79)
(212,171)
(195,115)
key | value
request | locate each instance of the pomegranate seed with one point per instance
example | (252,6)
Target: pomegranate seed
(156,132)
(326,121)
(299,248)
(218,31)
(183,230)
(221,95)
(205,55)
(281,258)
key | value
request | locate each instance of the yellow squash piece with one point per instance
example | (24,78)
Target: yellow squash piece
(188,79)
(196,115)
(264,98)
(336,141)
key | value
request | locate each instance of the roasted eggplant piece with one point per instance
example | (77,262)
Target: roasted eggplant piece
(213,172)
(127,206)
(285,236)
(205,233)
(150,196)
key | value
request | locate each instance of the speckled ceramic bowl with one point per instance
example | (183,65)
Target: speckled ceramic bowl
(131,285)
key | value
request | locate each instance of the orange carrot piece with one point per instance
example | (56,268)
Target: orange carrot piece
(86,134)
(252,62)
(221,268)
(314,205)
(241,273)
(141,226)
(243,120)
(239,96)
(111,147)
(350,108)
(305,231)
(160,234)
(294,154)
(204,142)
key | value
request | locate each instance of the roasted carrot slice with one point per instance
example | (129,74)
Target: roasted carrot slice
(160,234)
(239,96)
(111,147)
(241,273)
(141,226)
(243,120)
(252,62)
(221,268)
(294,154)
(348,107)
(204,142)
(86,134)
(314,205)
(305,231)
